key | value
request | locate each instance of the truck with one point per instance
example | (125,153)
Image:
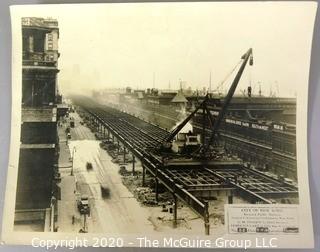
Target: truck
(83,204)
(82,198)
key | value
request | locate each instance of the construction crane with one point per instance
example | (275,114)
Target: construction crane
(214,122)
(248,56)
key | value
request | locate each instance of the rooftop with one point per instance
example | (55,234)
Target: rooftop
(179,98)
(39,22)
(62,105)
(140,95)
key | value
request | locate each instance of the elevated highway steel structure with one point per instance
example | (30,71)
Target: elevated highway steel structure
(141,138)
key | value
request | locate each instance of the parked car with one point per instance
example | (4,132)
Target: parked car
(89,166)
(83,204)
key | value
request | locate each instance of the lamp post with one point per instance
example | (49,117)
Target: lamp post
(73,152)
(85,223)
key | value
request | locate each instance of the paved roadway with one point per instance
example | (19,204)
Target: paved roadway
(120,213)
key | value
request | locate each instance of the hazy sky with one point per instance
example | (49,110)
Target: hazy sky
(118,45)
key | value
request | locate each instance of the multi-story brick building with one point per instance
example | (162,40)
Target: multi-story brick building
(38,150)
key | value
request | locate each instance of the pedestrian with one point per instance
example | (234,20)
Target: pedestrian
(73,218)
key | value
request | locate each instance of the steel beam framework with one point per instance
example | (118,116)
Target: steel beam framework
(140,138)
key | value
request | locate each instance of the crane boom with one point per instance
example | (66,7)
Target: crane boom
(214,122)
(227,100)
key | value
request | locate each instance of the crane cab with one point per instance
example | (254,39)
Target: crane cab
(186,143)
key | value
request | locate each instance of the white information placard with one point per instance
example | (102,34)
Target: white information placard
(267,219)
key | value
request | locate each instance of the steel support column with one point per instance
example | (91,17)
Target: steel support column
(206,218)
(230,197)
(143,175)
(175,210)
(157,190)
(133,164)
(157,185)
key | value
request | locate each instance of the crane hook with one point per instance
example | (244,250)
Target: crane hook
(251,60)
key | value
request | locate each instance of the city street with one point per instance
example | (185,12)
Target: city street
(120,213)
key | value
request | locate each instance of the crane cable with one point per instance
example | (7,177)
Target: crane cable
(250,83)
(226,78)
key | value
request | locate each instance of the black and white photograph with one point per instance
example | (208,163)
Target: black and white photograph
(159,119)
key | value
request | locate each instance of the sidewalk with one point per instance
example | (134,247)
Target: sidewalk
(67,206)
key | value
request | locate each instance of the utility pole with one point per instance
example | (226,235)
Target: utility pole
(73,152)
(85,223)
